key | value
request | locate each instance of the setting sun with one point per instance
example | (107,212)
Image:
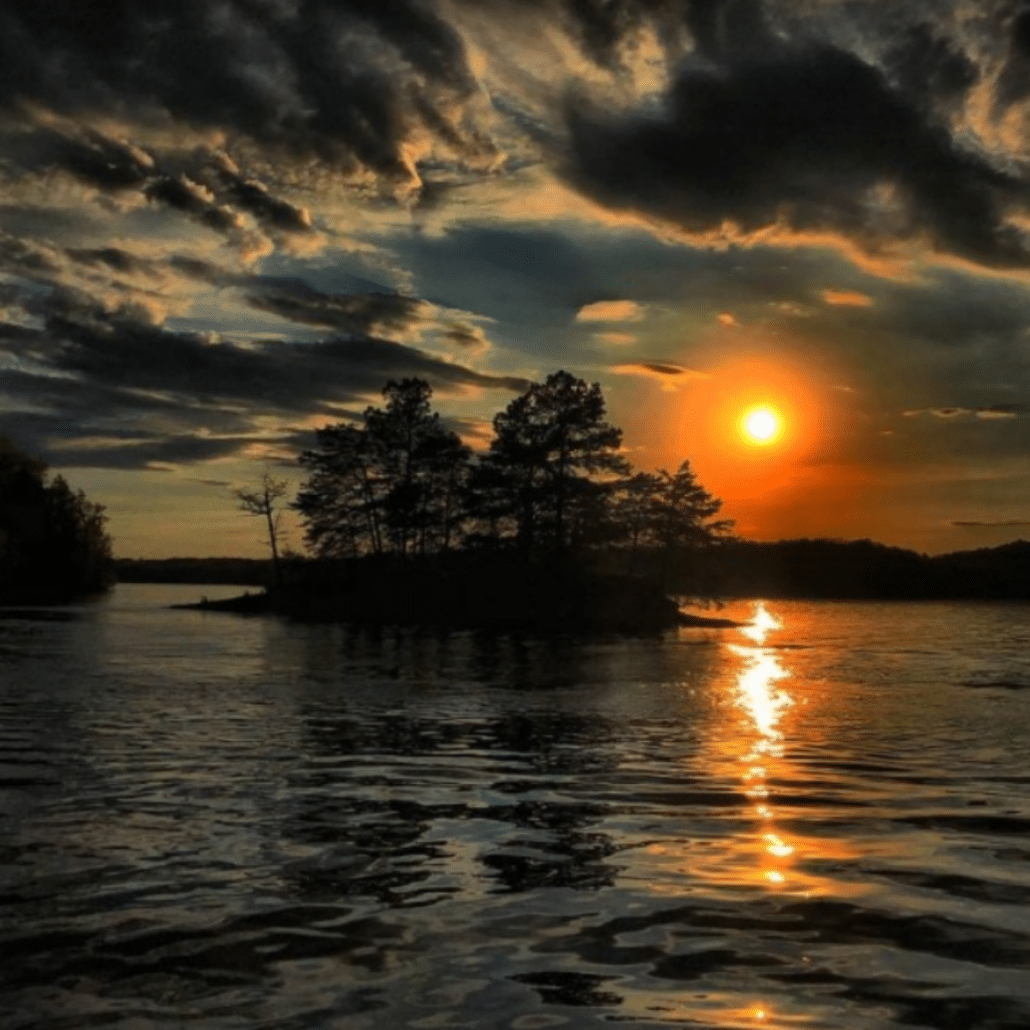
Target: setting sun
(760,425)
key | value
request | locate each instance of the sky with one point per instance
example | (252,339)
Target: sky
(227,223)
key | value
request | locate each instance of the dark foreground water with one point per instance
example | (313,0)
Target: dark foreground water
(214,822)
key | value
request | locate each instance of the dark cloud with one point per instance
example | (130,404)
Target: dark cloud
(98,372)
(931,70)
(204,185)
(290,377)
(358,313)
(992,411)
(271,212)
(114,258)
(96,159)
(466,337)
(661,368)
(810,138)
(1014,81)
(203,271)
(991,525)
(607,31)
(340,79)
(187,196)
(147,454)
(27,259)
(289,298)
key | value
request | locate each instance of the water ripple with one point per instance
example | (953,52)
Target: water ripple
(229,824)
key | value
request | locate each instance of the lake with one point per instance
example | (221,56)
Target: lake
(819,820)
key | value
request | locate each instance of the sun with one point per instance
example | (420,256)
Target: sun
(760,425)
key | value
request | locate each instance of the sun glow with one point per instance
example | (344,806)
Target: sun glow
(760,425)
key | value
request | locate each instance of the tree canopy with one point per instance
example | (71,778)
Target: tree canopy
(53,544)
(553,481)
(393,484)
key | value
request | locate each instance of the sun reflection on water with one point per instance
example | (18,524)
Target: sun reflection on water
(764,703)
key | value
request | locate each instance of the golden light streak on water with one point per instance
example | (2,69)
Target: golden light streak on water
(762,623)
(765,703)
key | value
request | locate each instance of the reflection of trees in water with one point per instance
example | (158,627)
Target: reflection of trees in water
(559,851)
(341,654)
(366,849)
(359,806)
(564,988)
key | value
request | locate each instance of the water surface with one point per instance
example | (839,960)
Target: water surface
(207,821)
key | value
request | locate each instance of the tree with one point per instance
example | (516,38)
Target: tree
(422,464)
(680,512)
(633,511)
(553,456)
(263,501)
(392,485)
(667,514)
(53,544)
(341,500)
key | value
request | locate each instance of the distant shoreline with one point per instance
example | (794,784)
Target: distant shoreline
(785,569)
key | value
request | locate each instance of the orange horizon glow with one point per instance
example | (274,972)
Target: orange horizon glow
(794,484)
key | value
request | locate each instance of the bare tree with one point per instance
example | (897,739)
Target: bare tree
(264,501)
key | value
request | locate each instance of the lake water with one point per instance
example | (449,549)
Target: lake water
(207,821)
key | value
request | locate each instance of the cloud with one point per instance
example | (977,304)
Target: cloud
(1002,524)
(347,83)
(610,311)
(800,142)
(847,298)
(619,339)
(91,372)
(359,313)
(667,373)
(728,320)
(994,411)
(153,453)
(468,338)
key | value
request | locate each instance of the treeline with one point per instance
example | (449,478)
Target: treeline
(53,544)
(553,482)
(814,569)
(857,569)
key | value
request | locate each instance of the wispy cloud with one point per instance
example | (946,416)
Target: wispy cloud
(1002,524)
(610,311)
(667,373)
(847,298)
(994,411)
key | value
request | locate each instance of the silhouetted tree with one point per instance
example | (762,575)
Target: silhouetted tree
(394,484)
(681,510)
(553,455)
(264,501)
(668,517)
(53,544)
(341,501)
(632,512)
(422,463)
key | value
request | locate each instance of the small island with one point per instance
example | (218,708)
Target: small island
(546,531)
(502,595)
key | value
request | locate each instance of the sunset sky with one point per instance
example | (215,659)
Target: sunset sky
(225,223)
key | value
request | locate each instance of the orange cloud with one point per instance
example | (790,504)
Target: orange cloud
(728,320)
(670,375)
(610,311)
(620,338)
(847,298)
